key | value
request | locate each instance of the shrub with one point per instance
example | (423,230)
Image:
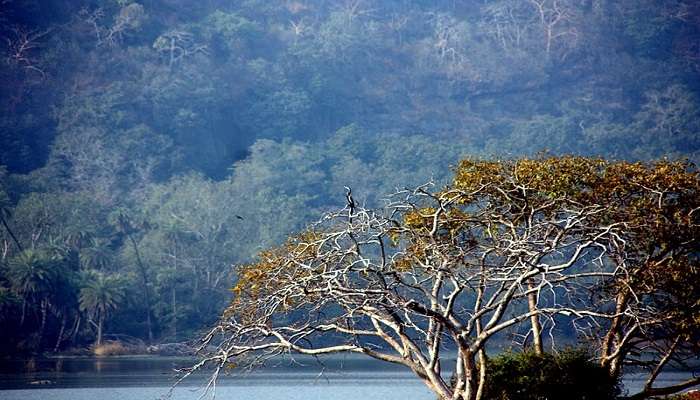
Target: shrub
(117,348)
(568,375)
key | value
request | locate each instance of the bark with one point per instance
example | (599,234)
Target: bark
(44,311)
(482,374)
(76,328)
(174,320)
(59,338)
(146,291)
(662,363)
(24,311)
(100,322)
(471,376)
(608,361)
(534,320)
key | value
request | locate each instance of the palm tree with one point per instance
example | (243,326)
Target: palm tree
(31,275)
(65,301)
(97,254)
(100,294)
(128,227)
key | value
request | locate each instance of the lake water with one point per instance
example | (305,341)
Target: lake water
(150,378)
(131,378)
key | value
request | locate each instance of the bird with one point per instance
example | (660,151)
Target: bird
(239,217)
(351,201)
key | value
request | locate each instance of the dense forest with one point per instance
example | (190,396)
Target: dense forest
(146,148)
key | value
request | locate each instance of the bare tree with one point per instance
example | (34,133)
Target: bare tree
(178,45)
(509,23)
(129,18)
(93,18)
(397,23)
(556,20)
(445,38)
(443,273)
(22,45)
(514,25)
(353,9)
(299,29)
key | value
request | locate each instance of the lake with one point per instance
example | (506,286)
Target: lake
(131,378)
(144,378)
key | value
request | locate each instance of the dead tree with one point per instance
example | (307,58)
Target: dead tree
(22,45)
(177,45)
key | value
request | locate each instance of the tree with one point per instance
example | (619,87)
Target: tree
(176,46)
(64,299)
(100,295)
(198,237)
(656,322)
(31,274)
(555,19)
(19,49)
(4,212)
(130,227)
(509,245)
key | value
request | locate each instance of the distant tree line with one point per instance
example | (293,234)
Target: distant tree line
(157,263)
(148,146)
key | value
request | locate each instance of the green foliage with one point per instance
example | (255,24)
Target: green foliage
(567,375)
(8,300)
(187,114)
(291,105)
(100,293)
(230,30)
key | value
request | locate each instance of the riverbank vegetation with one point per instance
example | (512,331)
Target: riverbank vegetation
(570,374)
(146,147)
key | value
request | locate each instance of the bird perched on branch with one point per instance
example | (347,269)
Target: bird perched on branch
(351,202)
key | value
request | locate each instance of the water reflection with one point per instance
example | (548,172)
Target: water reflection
(30,365)
(159,372)
(98,365)
(58,366)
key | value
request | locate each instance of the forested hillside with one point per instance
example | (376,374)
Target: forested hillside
(148,147)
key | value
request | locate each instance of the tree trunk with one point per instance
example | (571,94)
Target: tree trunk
(59,339)
(472,378)
(146,291)
(100,321)
(174,319)
(44,311)
(76,328)
(613,364)
(482,374)
(24,311)
(534,320)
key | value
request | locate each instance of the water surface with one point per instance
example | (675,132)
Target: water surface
(131,378)
(151,378)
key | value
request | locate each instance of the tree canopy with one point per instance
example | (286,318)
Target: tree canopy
(526,247)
